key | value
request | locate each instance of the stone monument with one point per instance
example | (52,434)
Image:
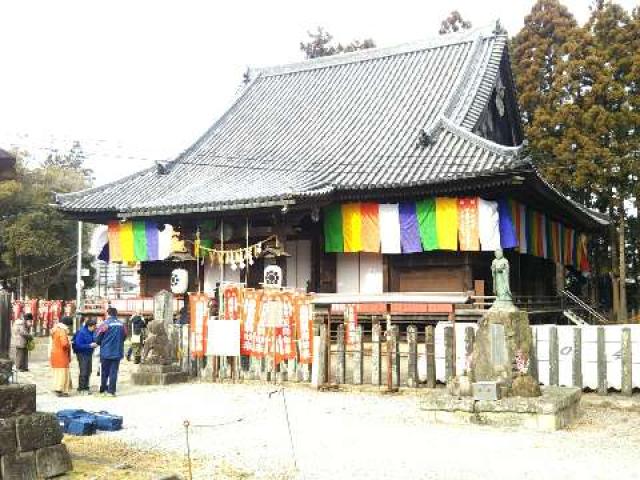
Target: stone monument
(502,391)
(503,340)
(30,441)
(157,367)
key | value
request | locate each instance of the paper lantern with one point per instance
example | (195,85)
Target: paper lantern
(179,281)
(273,276)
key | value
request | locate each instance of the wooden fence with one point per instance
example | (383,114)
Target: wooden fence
(590,357)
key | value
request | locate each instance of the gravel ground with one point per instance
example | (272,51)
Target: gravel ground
(353,435)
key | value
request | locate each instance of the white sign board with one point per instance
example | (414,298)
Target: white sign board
(223,338)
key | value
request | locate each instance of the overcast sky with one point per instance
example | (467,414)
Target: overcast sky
(136,81)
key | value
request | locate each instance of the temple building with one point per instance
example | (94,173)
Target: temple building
(383,170)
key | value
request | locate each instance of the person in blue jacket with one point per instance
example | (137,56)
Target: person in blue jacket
(83,344)
(110,336)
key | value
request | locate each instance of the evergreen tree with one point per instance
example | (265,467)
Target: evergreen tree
(584,130)
(536,51)
(33,235)
(320,45)
(453,23)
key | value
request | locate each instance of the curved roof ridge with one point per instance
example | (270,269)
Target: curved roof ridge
(465,36)
(480,141)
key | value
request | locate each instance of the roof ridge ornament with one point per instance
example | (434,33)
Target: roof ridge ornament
(162,167)
(498,29)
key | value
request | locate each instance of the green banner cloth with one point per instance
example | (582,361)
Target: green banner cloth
(139,241)
(426,212)
(333,238)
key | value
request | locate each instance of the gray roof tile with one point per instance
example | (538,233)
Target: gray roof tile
(341,123)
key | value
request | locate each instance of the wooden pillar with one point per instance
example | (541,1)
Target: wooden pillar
(469,340)
(318,372)
(358,366)
(376,357)
(430,351)
(412,341)
(395,348)
(627,385)
(602,363)
(449,359)
(577,358)
(533,356)
(341,355)
(5,324)
(554,360)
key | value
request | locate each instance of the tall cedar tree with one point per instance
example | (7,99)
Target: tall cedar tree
(453,23)
(584,133)
(536,51)
(320,44)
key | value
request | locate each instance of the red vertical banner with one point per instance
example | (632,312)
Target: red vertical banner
(56,312)
(199,312)
(43,313)
(252,304)
(232,296)
(288,327)
(304,328)
(18,308)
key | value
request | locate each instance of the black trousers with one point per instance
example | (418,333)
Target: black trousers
(22,359)
(84,362)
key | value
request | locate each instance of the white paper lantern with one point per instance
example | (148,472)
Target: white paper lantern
(179,281)
(273,276)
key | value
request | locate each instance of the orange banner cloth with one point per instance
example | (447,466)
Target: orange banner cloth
(370,227)
(468,233)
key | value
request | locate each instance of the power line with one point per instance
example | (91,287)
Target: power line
(43,269)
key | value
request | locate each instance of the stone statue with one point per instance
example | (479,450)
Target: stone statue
(157,348)
(500,274)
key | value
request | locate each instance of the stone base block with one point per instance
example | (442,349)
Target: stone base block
(53,461)
(21,466)
(6,370)
(557,408)
(38,430)
(8,444)
(158,375)
(16,399)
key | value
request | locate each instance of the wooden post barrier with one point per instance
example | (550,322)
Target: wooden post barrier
(376,358)
(627,385)
(469,340)
(430,353)
(318,374)
(554,358)
(412,340)
(341,354)
(602,363)
(577,358)
(449,360)
(395,349)
(533,356)
(358,366)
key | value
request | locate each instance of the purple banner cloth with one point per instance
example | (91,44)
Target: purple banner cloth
(409,231)
(104,253)
(151,229)
(508,237)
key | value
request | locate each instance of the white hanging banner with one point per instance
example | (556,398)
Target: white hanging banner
(223,338)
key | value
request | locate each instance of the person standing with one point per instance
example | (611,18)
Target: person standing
(19,338)
(111,335)
(138,326)
(61,356)
(83,345)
